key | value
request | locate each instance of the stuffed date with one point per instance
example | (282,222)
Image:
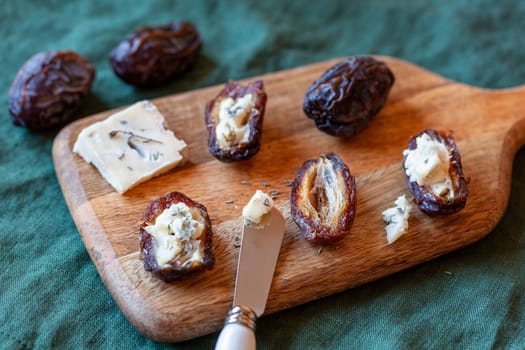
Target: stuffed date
(346,97)
(234,120)
(323,199)
(175,237)
(434,173)
(155,55)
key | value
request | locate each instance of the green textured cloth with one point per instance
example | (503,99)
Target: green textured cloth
(50,293)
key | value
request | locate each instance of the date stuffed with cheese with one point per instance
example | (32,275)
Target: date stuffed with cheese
(176,237)
(323,199)
(234,120)
(434,173)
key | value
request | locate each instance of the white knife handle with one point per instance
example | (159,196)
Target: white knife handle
(239,330)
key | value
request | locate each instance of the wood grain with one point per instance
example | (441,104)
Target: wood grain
(489,127)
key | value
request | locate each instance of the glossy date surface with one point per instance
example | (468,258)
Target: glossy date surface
(348,95)
(155,55)
(49,88)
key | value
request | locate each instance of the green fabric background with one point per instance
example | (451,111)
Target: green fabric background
(50,293)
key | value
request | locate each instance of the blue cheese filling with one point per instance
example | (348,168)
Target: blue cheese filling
(396,219)
(428,165)
(232,127)
(177,229)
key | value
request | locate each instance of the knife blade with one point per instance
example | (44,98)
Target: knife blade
(260,246)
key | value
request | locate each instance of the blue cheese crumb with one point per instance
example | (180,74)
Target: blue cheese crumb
(396,219)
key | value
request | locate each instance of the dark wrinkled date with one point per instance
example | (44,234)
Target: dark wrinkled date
(155,55)
(49,88)
(234,120)
(182,264)
(323,199)
(344,99)
(440,203)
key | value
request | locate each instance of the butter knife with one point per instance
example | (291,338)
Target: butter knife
(260,247)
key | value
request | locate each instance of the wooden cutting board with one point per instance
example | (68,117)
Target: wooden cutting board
(489,128)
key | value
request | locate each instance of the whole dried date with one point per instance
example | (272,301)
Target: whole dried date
(434,173)
(344,99)
(175,237)
(234,120)
(49,88)
(323,199)
(155,55)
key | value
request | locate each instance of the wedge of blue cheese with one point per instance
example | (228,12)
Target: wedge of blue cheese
(130,146)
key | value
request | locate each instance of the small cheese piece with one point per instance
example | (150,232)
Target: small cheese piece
(130,146)
(233,128)
(428,165)
(176,229)
(259,205)
(397,219)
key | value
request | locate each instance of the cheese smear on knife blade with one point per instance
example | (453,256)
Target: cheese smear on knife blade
(130,146)
(258,206)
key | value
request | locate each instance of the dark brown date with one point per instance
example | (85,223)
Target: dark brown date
(155,55)
(182,264)
(445,202)
(346,97)
(224,139)
(323,199)
(49,88)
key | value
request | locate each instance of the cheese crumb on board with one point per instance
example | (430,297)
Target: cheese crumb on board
(396,219)
(428,165)
(259,205)
(130,146)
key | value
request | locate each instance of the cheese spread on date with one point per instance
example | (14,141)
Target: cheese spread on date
(396,219)
(175,229)
(428,165)
(259,205)
(233,128)
(130,146)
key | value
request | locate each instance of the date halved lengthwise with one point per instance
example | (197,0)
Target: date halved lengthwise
(234,120)
(323,199)
(434,173)
(176,237)
(348,95)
